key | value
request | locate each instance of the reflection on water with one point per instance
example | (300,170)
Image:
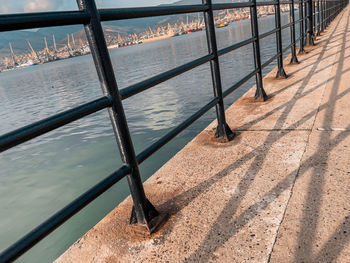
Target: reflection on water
(43,175)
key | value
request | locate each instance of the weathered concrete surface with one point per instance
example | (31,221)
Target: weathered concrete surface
(316,227)
(278,192)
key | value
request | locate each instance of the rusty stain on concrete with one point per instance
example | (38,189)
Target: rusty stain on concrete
(277,193)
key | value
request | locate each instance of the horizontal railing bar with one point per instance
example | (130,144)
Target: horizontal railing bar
(286,48)
(269,61)
(298,39)
(286,2)
(43,19)
(127,13)
(148,83)
(286,25)
(239,83)
(266,3)
(231,5)
(41,231)
(138,12)
(268,33)
(236,46)
(47,19)
(170,135)
(36,129)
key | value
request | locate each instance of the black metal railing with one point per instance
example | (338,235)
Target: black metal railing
(314,17)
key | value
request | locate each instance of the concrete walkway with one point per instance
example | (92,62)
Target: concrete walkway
(279,192)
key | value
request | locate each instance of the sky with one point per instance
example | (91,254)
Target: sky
(20,6)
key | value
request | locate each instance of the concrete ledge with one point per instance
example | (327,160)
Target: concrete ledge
(252,199)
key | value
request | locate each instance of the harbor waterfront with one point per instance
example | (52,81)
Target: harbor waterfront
(41,176)
(73,48)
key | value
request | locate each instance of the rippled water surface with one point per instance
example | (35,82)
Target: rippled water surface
(42,176)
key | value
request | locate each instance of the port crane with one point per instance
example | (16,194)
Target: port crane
(14,57)
(34,54)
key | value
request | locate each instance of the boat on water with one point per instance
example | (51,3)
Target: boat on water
(28,63)
(222,24)
(192,30)
(159,37)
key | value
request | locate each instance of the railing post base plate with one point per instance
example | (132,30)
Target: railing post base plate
(294,60)
(281,74)
(154,220)
(152,226)
(309,41)
(301,51)
(225,133)
(260,95)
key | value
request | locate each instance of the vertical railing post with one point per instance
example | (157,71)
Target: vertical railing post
(222,130)
(305,17)
(341,6)
(309,22)
(327,13)
(328,6)
(301,27)
(322,14)
(294,59)
(314,16)
(338,7)
(143,212)
(331,11)
(318,18)
(280,73)
(260,93)
(335,9)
